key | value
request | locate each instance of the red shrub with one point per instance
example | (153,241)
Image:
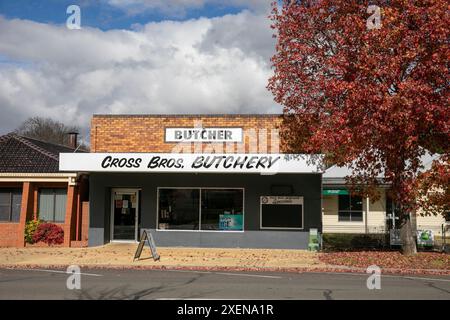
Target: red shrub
(49,233)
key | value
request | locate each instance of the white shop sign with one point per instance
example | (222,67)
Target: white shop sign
(293,200)
(186,162)
(203,135)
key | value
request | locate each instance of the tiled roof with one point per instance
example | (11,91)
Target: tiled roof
(19,154)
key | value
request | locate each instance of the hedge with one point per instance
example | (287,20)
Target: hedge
(352,241)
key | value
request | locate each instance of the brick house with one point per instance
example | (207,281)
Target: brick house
(32,187)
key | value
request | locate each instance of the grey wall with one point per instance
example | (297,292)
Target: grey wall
(255,185)
(261,239)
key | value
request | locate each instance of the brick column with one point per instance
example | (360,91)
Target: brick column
(85,223)
(35,203)
(70,214)
(26,212)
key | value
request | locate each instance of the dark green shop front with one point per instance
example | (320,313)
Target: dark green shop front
(205,209)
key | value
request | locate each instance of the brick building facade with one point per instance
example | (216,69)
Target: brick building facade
(145,133)
(228,185)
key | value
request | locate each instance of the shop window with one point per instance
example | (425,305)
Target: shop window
(222,209)
(179,209)
(210,209)
(52,204)
(10,203)
(350,208)
(281,212)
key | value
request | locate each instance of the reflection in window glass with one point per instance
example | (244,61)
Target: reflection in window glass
(5,207)
(52,204)
(222,209)
(10,203)
(344,203)
(355,203)
(178,209)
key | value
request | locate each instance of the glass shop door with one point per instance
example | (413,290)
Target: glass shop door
(125,209)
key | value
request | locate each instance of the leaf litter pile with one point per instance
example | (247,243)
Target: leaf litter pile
(388,259)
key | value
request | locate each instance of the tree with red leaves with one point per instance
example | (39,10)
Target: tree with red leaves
(367,84)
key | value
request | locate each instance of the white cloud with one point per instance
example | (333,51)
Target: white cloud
(218,65)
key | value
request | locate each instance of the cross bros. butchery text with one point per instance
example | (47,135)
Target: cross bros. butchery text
(200,162)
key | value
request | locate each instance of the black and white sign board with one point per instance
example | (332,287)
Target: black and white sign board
(203,135)
(270,163)
(146,239)
(281,212)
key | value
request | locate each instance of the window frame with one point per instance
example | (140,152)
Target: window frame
(351,211)
(200,209)
(282,228)
(10,191)
(54,204)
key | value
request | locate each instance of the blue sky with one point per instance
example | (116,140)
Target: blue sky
(133,57)
(100,14)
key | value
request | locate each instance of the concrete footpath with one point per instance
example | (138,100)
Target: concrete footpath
(120,256)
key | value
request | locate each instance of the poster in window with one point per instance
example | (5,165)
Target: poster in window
(230,222)
(118,203)
(125,204)
(133,200)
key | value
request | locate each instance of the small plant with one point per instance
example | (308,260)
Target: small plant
(30,229)
(49,233)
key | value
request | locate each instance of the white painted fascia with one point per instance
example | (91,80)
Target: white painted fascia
(70,178)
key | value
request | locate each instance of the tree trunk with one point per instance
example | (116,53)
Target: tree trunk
(407,237)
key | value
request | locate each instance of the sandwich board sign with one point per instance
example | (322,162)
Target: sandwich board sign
(145,239)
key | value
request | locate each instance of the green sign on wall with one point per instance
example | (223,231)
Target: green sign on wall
(334,192)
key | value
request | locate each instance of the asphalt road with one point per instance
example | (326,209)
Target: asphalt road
(156,284)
